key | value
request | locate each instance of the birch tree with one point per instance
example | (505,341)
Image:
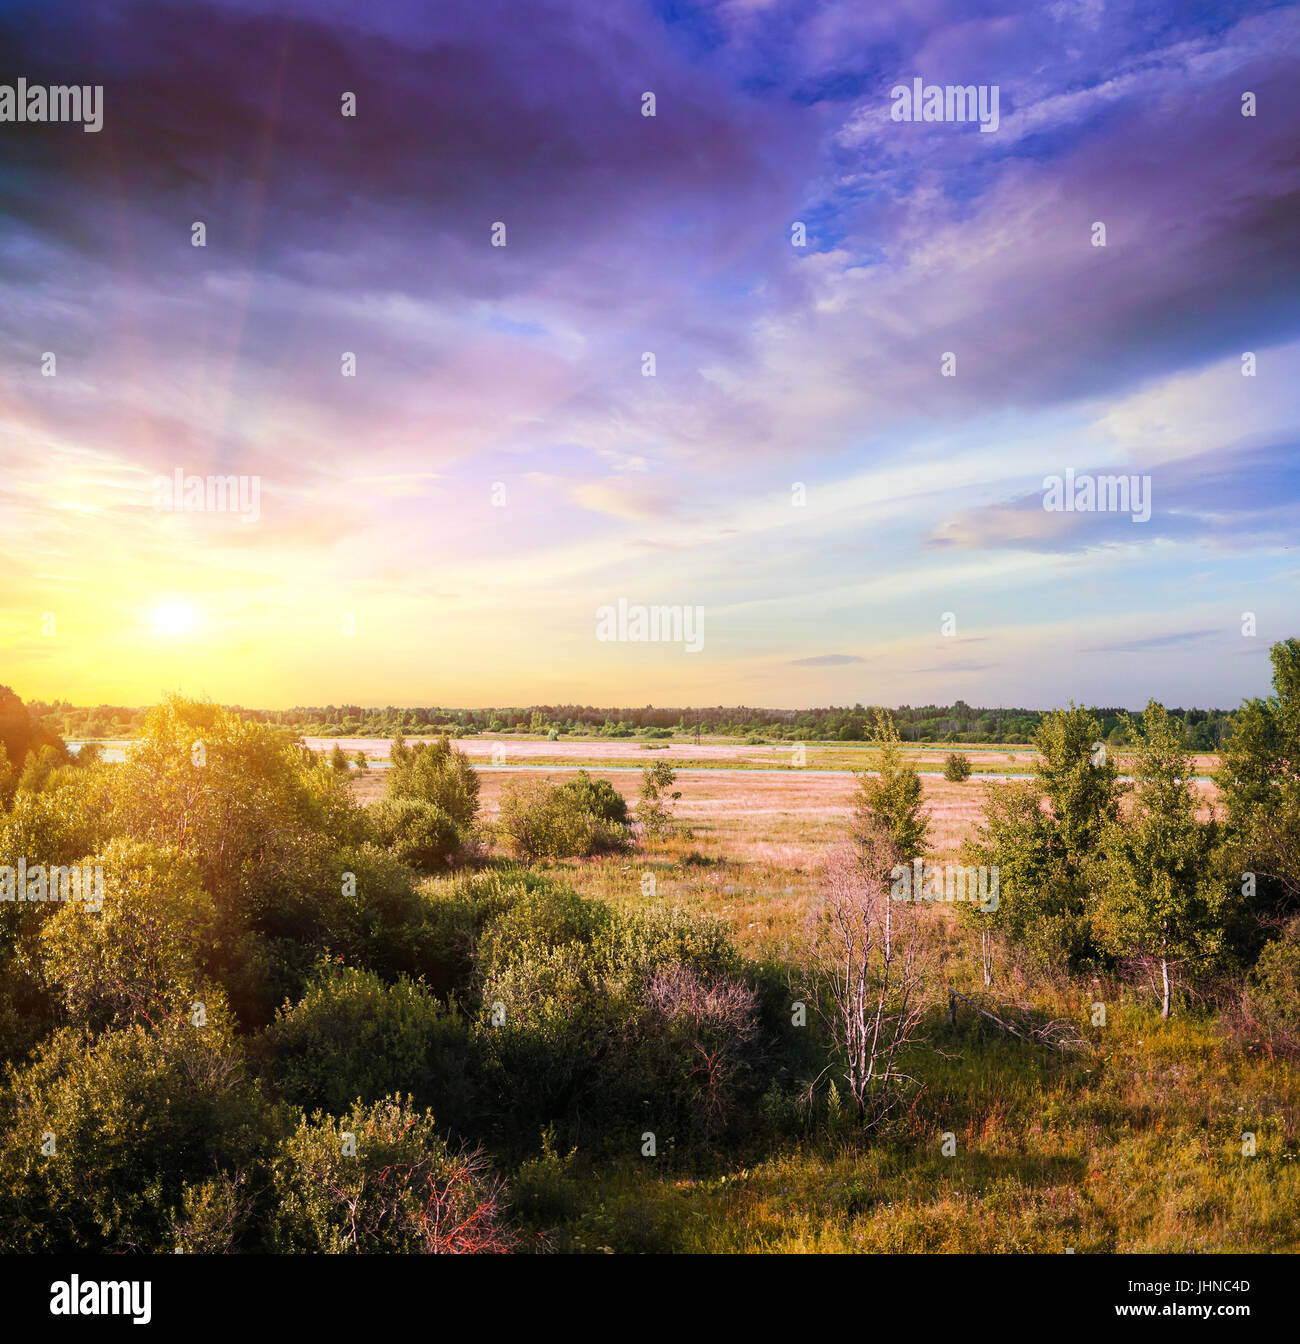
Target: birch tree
(865,975)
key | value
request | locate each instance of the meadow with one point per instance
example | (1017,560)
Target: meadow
(1132,1144)
(579,999)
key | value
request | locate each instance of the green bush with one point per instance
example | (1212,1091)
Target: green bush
(134,1118)
(575,819)
(351,1037)
(458,912)
(383,920)
(436,773)
(612,1018)
(140,956)
(416,832)
(1272,998)
(956,767)
(252,806)
(400,1189)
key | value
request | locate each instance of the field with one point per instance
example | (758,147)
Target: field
(544,1014)
(1132,1142)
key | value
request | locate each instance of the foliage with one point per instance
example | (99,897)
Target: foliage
(352,1037)
(1078,779)
(654,811)
(402,1190)
(416,832)
(138,956)
(436,773)
(243,800)
(1157,894)
(1041,838)
(580,817)
(135,1116)
(22,734)
(956,767)
(1259,776)
(1272,996)
(892,800)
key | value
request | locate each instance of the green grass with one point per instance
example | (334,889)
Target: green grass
(1132,1144)
(1136,1147)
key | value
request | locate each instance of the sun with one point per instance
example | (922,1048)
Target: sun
(173,618)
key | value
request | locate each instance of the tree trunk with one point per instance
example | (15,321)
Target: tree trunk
(1164,982)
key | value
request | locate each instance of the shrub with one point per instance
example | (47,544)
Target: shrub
(698,1038)
(458,912)
(416,832)
(382,920)
(956,767)
(135,1117)
(1272,998)
(575,819)
(612,1018)
(351,1037)
(402,1191)
(436,773)
(139,956)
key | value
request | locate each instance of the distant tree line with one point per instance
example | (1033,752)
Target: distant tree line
(1202,729)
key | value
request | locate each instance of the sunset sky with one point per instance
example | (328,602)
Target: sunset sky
(515,373)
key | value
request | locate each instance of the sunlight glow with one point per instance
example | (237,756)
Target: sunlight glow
(173,618)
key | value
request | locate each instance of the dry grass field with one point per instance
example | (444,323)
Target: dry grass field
(751,845)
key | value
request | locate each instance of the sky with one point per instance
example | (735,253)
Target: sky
(771,355)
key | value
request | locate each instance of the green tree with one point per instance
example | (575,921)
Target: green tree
(654,811)
(242,799)
(339,760)
(1259,779)
(138,955)
(21,734)
(956,767)
(1040,838)
(436,773)
(1078,778)
(1158,898)
(892,800)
